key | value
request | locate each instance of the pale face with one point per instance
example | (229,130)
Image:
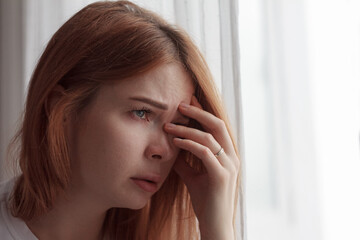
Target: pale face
(119,142)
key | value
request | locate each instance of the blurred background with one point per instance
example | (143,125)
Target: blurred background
(289,72)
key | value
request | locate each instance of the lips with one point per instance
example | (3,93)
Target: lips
(147,183)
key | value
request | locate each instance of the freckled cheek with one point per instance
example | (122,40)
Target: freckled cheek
(124,140)
(133,135)
(110,141)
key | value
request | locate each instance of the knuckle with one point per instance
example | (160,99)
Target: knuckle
(206,152)
(234,170)
(235,165)
(208,138)
(219,125)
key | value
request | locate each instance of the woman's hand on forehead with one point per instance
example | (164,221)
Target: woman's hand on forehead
(213,192)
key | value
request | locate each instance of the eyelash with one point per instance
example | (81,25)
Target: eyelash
(146,111)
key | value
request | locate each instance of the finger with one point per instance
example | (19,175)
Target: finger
(196,135)
(210,123)
(195,102)
(209,160)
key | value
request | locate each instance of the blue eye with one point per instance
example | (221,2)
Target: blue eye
(141,113)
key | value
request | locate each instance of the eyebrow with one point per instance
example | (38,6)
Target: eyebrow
(151,102)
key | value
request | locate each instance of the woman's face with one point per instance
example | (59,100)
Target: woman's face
(119,151)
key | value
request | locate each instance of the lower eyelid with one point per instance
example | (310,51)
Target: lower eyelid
(135,116)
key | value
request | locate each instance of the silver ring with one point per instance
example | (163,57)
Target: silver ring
(221,151)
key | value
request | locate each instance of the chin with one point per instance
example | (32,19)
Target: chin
(137,205)
(136,202)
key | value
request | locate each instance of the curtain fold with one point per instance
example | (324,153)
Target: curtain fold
(231,89)
(11,81)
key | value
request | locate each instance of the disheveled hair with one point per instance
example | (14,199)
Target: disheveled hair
(102,43)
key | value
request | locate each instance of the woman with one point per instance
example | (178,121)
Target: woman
(123,137)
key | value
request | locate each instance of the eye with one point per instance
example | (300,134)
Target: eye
(141,113)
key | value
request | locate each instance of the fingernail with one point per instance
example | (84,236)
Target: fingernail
(169,125)
(184,105)
(194,99)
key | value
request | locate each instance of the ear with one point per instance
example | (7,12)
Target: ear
(56,94)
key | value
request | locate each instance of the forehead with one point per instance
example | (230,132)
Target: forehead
(167,83)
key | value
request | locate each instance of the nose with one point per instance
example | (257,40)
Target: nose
(159,146)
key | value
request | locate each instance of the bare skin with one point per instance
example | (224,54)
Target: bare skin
(112,142)
(212,193)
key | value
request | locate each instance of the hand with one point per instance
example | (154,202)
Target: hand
(213,192)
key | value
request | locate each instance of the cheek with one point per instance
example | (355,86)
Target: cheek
(107,145)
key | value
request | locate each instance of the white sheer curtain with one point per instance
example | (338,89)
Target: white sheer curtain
(28,25)
(301,99)
(12,84)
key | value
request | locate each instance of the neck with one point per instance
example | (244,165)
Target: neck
(75,217)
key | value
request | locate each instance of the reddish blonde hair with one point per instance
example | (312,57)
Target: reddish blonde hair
(103,42)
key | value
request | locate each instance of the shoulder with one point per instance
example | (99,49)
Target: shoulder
(11,228)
